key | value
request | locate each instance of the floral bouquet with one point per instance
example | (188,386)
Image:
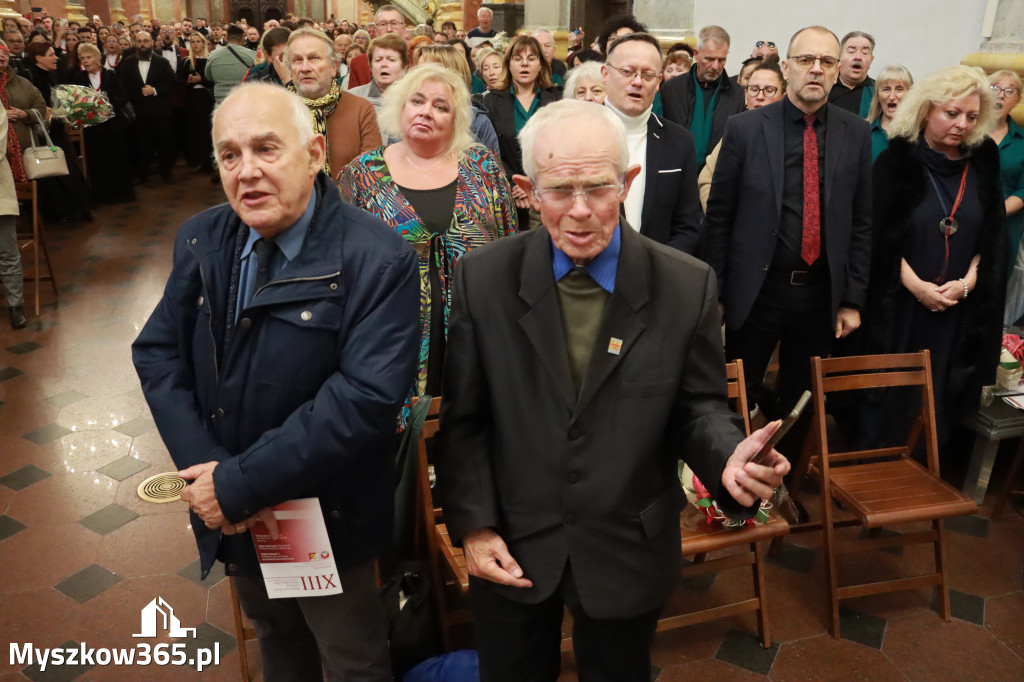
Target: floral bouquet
(80,105)
(699,497)
(1009,373)
(500,42)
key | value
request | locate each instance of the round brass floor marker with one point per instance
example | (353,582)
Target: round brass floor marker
(162,488)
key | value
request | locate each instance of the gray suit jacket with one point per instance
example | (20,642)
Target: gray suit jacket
(593,478)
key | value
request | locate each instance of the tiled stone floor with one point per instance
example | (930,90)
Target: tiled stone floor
(81,554)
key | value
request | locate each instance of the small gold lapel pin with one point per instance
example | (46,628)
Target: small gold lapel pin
(615,346)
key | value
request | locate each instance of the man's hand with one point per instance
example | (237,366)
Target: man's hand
(200,495)
(487,557)
(266,515)
(847,321)
(748,482)
(148,90)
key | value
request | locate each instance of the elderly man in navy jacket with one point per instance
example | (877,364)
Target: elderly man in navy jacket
(275,366)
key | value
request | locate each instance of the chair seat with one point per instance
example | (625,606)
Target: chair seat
(710,537)
(899,491)
(454,557)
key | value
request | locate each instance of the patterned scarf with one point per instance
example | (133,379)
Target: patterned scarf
(13,146)
(321,109)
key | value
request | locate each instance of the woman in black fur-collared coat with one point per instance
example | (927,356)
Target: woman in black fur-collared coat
(933,287)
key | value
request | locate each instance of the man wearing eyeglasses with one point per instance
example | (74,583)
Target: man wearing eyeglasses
(788,228)
(584,361)
(388,19)
(703,100)
(855,88)
(662,203)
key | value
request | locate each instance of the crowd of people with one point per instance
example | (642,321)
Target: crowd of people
(808,207)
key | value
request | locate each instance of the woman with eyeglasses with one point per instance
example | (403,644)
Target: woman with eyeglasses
(1006,86)
(765,85)
(938,272)
(526,88)
(892,84)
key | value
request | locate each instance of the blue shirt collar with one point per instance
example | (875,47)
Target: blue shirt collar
(289,241)
(602,269)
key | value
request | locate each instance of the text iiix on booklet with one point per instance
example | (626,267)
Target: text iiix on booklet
(299,563)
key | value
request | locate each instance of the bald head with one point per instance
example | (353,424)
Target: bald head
(268,162)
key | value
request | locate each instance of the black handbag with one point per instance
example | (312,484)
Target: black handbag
(412,617)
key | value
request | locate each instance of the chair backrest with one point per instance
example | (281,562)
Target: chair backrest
(426,514)
(859,372)
(738,391)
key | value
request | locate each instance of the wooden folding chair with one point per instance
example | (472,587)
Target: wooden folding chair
(29,192)
(447,562)
(715,539)
(76,135)
(243,633)
(883,486)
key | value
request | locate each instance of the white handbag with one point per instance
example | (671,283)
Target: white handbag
(43,162)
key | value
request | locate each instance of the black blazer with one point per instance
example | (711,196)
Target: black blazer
(900,185)
(592,479)
(160,76)
(677,101)
(745,206)
(501,110)
(671,212)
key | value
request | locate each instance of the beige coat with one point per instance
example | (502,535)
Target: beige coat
(8,201)
(706,173)
(21,94)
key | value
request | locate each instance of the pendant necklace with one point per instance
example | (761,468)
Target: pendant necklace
(948,225)
(426,173)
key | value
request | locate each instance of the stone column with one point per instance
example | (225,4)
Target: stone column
(550,15)
(7,9)
(669,22)
(1002,42)
(76,11)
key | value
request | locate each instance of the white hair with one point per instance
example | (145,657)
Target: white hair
(569,112)
(586,71)
(484,10)
(294,111)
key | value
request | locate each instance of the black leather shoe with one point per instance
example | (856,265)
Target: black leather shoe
(18,320)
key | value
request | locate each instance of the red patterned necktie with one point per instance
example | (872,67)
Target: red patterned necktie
(810,247)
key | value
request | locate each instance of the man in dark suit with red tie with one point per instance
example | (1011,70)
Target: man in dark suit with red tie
(149,81)
(789,224)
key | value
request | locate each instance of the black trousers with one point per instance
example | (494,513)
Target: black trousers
(152,134)
(520,642)
(799,320)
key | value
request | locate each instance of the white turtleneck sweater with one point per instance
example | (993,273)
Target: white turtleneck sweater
(636,140)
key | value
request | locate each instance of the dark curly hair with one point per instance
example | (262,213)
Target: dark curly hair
(614,24)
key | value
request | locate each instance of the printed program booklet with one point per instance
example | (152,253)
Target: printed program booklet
(300,562)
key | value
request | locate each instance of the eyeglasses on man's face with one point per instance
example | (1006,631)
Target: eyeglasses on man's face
(630,74)
(565,197)
(394,23)
(806,61)
(768,90)
(762,43)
